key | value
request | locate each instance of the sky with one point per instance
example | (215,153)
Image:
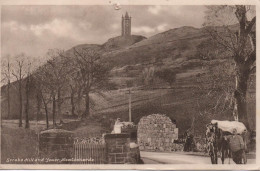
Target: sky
(35,29)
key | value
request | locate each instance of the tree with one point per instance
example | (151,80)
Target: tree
(238,39)
(209,49)
(57,70)
(216,87)
(52,79)
(148,76)
(75,87)
(42,87)
(28,87)
(92,71)
(59,67)
(6,78)
(19,73)
(37,83)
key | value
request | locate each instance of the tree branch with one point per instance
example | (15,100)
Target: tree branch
(241,16)
(250,61)
(250,25)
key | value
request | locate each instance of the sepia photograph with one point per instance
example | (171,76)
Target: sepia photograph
(128,84)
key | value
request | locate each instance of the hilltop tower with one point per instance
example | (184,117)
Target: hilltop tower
(126,25)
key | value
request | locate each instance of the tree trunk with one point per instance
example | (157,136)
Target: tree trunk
(86,113)
(59,114)
(21,104)
(8,90)
(53,110)
(46,111)
(39,102)
(27,103)
(240,107)
(72,102)
(79,102)
(8,99)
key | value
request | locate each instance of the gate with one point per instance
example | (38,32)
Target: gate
(90,150)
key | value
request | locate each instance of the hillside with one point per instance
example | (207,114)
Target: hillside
(122,42)
(175,49)
(176,43)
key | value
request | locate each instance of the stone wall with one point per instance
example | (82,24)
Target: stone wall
(56,144)
(119,150)
(130,129)
(71,125)
(156,132)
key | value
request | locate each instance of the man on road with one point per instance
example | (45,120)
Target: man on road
(237,147)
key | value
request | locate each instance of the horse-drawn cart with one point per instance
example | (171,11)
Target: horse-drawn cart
(226,138)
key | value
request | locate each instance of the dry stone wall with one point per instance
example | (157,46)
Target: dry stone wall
(156,132)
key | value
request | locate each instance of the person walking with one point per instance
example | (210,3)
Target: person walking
(237,145)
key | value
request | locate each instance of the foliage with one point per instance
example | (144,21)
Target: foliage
(51,79)
(148,76)
(237,36)
(89,71)
(219,86)
(209,49)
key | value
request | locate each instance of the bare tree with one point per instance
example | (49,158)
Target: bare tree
(92,73)
(239,40)
(6,78)
(27,94)
(19,73)
(50,79)
(56,70)
(41,98)
(43,88)
(74,83)
(46,89)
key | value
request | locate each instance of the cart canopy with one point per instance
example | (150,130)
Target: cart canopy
(229,126)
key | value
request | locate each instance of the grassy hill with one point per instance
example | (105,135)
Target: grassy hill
(122,42)
(187,97)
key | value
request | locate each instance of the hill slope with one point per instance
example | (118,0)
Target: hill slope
(121,42)
(175,49)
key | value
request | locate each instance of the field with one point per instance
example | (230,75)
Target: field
(23,143)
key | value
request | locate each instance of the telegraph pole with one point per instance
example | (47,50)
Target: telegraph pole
(130,106)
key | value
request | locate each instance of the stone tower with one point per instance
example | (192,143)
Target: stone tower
(126,25)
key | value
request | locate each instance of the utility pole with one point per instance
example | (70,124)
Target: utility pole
(130,106)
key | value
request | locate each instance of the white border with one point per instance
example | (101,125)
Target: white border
(152,2)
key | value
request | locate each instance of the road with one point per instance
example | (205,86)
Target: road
(180,158)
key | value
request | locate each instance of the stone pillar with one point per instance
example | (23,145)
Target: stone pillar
(56,145)
(132,132)
(119,151)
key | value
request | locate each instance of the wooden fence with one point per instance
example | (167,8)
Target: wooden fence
(89,151)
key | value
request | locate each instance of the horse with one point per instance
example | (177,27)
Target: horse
(217,143)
